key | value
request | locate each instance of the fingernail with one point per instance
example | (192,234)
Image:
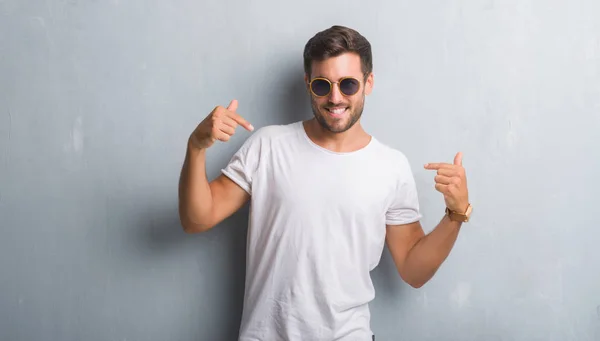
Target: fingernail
(251,127)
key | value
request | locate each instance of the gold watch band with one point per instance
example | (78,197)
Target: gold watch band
(460,217)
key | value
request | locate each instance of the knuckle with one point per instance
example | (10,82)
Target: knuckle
(219,110)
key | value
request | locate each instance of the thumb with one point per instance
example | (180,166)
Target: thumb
(233,105)
(458,159)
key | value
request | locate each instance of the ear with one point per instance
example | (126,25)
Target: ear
(369,84)
(306,82)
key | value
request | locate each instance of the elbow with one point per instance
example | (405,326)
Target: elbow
(416,284)
(192,223)
(191,226)
(415,281)
(194,229)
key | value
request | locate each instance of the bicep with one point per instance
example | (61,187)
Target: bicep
(400,239)
(227,198)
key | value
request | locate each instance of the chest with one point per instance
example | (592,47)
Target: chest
(352,187)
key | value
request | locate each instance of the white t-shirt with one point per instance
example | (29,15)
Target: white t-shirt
(316,229)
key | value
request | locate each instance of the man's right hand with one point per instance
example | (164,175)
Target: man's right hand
(204,204)
(220,125)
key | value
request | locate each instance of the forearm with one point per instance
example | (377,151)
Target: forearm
(426,256)
(195,197)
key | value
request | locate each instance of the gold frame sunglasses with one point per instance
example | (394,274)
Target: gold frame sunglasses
(348,86)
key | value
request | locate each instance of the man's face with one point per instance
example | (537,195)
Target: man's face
(336,111)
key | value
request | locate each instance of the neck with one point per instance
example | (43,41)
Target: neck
(351,140)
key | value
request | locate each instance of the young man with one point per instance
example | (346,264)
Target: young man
(325,198)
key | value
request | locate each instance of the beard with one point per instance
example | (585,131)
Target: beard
(334,125)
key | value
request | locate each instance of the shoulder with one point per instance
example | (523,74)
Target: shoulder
(393,163)
(393,156)
(264,138)
(274,132)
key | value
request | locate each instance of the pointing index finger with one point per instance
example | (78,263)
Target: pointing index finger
(239,119)
(436,165)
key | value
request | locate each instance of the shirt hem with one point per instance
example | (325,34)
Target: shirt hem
(237,180)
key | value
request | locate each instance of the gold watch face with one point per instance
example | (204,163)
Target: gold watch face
(462,217)
(469,210)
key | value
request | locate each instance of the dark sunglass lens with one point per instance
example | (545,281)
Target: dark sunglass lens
(320,87)
(349,86)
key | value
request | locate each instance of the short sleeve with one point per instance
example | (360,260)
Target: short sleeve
(404,207)
(244,163)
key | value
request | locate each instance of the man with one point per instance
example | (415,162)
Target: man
(325,198)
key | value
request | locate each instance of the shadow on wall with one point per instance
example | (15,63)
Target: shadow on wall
(293,96)
(157,237)
(214,262)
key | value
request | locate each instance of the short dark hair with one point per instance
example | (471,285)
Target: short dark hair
(335,41)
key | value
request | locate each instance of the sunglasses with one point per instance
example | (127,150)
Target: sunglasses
(322,87)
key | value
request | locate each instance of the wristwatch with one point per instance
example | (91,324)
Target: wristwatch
(457,216)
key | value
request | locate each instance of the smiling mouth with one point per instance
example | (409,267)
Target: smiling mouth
(337,111)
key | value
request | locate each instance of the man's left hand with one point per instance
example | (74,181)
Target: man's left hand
(451,181)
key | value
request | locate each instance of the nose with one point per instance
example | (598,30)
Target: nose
(335,96)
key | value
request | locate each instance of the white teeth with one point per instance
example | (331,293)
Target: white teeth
(337,110)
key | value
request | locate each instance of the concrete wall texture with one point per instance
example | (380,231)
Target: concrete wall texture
(97,99)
